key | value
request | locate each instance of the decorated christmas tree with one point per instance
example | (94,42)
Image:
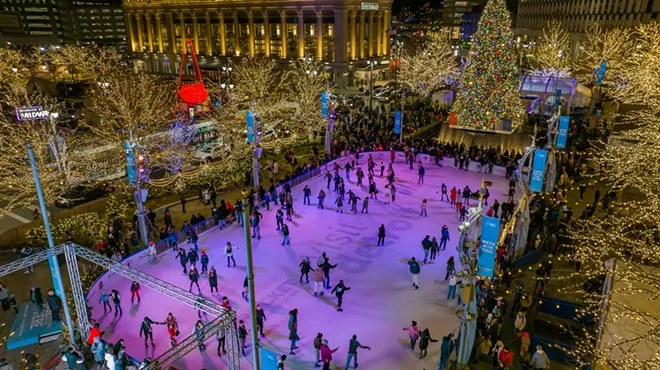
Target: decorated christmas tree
(489,90)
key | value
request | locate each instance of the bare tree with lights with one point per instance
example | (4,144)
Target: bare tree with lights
(612,46)
(431,65)
(173,149)
(88,62)
(552,53)
(306,81)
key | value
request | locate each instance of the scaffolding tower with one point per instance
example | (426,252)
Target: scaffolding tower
(225,319)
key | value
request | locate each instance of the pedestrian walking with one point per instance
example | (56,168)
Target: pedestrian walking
(305,268)
(353,346)
(55,304)
(381,235)
(339,291)
(145,328)
(213,279)
(540,359)
(293,330)
(414,271)
(413,334)
(229,253)
(135,291)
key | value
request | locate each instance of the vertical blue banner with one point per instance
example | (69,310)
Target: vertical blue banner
(268,359)
(562,132)
(324,105)
(249,118)
(397,122)
(490,233)
(557,98)
(130,163)
(600,74)
(538,170)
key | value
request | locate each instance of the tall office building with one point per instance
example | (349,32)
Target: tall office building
(342,33)
(57,22)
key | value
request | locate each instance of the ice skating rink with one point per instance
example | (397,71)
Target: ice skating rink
(381,302)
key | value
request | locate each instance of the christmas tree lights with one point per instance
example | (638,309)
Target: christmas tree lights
(489,86)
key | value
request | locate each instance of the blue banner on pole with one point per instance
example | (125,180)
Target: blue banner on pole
(490,233)
(268,359)
(562,132)
(249,118)
(538,170)
(324,105)
(130,163)
(600,74)
(397,122)
(557,98)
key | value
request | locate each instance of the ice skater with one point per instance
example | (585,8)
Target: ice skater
(229,253)
(106,302)
(172,328)
(285,235)
(420,173)
(279,218)
(148,331)
(340,204)
(424,339)
(413,334)
(373,192)
(116,300)
(393,192)
(244,293)
(305,268)
(382,168)
(319,280)
(261,317)
(443,190)
(135,291)
(348,168)
(213,279)
(452,196)
(414,272)
(204,260)
(339,291)
(444,237)
(426,246)
(459,201)
(183,259)
(328,176)
(434,249)
(464,213)
(200,335)
(293,330)
(193,257)
(365,205)
(326,266)
(256,229)
(354,201)
(321,198)
(423,208)
(288,206)
(193,275)
(360,175)
(381,235)
(307,192)
(353,346)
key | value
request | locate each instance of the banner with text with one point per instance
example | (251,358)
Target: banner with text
(538,170)
(324,105)
(490,233)
(562,132)
(397,122)
(250,126)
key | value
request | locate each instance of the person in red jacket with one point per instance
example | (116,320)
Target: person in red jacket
(326,354)
(452,196)
(135,291)
(505,357)
(93,333)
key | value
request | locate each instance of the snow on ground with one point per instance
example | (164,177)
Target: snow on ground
(379,305)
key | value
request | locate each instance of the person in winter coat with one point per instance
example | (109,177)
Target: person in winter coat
(381,235)
(451,293)
(413,334)
(450,267)
(339,291)
(145,328)
(135,291)
(279,217)
(229,253)
(293,329)
(172,327)
(36,298)
(317,349)
(353,346)
(55,304)
(446,348)
(319,280)
(540,359)
(193,235)
(116,300)
(94,333)
(414,272)
(205,262)
(213,280)
(434,249)
(520,323)
(326,270)
(285,235)
(326,354)
(193,257)
(423,208)
(305,268)
(99,348)
(183,259)
(110,359)
(426,246)
(444,237)
(452,196)
(199,331)
(459,201)
(261,317)
(193,275)
(424,338)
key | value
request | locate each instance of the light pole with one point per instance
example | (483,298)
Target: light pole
(250,278)
(371,81)
(55,273)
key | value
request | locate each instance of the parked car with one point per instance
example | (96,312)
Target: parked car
(83,193)
(210,151)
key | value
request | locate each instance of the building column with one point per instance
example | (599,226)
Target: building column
(159,30)
(386,27)
(150,33)
(221,32)
(301,34)
(184,34)
(209,43)
(251,31)
(379,32)
(371,33)
(353,30)
(138,20)
(195,32)
(170,33)
(340,64)
(131,33)
(237,39)
(319,34)
(283,33)
(267,32)
(361,34)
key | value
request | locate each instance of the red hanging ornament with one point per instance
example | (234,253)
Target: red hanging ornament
(497,52)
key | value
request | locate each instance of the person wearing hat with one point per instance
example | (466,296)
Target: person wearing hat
(204,260)
(444,238)
(135,291)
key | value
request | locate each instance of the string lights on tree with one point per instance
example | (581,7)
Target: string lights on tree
(430,67)
(552,54)
(306,81)
(612,46)
(489,93)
